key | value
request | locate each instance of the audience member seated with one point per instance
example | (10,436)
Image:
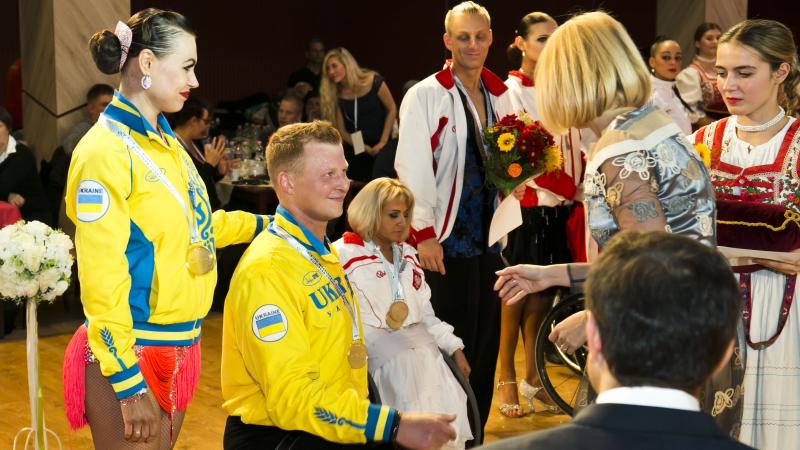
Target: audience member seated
(19,180)
(357,101)
(290,110)
(311,108)
(310,74)
(662,318)
(192,124)
(98,97)
(665,62)
(402,333)
(19,185)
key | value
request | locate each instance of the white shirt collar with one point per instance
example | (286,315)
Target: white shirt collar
(659,83)
(650,396)
(10,148)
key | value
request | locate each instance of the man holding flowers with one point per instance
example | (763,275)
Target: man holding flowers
(441,155)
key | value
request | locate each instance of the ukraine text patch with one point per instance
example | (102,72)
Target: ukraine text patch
(269,323)
(92,201)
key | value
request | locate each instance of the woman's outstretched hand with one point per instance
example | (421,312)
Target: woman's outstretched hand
(515,282)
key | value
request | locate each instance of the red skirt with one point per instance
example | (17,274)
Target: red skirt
(170,372)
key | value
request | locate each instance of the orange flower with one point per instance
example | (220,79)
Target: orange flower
(514,170)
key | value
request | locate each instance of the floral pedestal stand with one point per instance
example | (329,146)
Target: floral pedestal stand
(38,430)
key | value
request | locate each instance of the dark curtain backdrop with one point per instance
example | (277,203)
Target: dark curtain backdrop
(247,47)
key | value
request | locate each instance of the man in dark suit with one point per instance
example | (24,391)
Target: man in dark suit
(662,317)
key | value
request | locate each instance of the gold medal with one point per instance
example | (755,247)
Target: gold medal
(398,311)
(199,260)
(393,324)
(357,355)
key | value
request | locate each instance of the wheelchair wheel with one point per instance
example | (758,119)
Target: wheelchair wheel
(561,374)
(472,404)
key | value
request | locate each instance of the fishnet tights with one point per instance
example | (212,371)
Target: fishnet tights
(105,417)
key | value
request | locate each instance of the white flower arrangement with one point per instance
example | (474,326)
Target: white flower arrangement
(35,262)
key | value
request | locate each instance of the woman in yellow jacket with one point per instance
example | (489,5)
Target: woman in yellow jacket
(146,241)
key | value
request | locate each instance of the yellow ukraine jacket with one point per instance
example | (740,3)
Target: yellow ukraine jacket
(285,340)
(132,238)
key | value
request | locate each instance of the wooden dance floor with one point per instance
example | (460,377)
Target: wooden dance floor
(205,419)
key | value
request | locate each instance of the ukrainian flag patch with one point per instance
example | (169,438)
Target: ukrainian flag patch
(91,201)
(269,323)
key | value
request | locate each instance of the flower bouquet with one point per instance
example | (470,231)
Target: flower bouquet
(35,266)
(519,149)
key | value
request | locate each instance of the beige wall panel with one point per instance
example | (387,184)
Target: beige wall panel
(679,18)
(57,68)
(38,52)
(41,128)
(75,21)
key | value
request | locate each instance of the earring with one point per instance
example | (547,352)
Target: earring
(146,82)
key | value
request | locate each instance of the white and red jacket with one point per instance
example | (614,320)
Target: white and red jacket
(554,188)
(432,148)
(372,285)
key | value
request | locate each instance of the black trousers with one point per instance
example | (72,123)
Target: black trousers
(242,436)
(465,299)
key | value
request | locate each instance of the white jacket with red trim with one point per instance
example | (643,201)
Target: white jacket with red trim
(558,187)
(372,285)
(432,148)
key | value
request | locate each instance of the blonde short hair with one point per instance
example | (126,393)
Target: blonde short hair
(286,146)
(589,65)
(365,211)
(466,8)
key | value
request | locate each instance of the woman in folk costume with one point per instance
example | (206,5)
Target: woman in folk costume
(665,61)
(697,83)
(402,333)
(545,236)
(754,158)
(145,242)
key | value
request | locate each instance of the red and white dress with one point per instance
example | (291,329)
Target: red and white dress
(699,89)
(405,364)
(763,173)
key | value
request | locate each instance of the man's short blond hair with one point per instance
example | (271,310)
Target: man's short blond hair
(589,65)
(366,210)
(466,8)
(286,147)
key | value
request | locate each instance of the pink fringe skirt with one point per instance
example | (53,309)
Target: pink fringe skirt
(171,373)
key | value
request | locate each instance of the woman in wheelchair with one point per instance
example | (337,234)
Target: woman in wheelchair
(402,333)
(642,174)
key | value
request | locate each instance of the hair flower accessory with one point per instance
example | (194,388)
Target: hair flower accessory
(125,35)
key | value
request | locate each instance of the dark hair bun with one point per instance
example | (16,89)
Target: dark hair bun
(106,51)
(514,55)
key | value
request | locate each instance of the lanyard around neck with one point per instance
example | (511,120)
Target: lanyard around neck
(291,240)
(394,270)
(155,170)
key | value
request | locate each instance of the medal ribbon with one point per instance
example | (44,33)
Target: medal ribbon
(339,289)
(151,165)
(393,270)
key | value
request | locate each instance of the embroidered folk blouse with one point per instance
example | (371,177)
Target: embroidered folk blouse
(644,175)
